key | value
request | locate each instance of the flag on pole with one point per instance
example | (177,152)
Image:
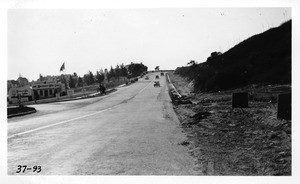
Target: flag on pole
(62,67)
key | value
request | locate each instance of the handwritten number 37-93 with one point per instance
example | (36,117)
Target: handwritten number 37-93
(23,168)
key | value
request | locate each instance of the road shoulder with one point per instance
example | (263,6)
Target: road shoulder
(226,141)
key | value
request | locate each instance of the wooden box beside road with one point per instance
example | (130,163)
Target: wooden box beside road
(240,100)
(284,106)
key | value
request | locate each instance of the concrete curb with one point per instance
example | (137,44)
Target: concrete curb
(21,114)
(33,111)
(87,96)
(173,90)
(176,97)
(54,100)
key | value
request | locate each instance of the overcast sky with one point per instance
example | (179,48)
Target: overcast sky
(39,41)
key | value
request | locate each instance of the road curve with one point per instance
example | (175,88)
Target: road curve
(133,131)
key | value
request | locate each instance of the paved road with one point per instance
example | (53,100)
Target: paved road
(132,131)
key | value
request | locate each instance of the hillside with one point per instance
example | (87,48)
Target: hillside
(261,59)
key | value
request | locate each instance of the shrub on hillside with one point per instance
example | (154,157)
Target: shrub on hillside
(262,59)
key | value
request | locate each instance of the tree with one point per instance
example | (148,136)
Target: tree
(89,78)
(72,82)
(192,63)
(41,78)
(136,69)
(124,71)
(80,82)
(156,68)
(75,78)
(106,74)
(111,73)
(214,55)
(86,79)
(99,76)
(22,81)
(63,80)
(118,72)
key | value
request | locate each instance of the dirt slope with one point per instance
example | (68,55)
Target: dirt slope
(226,141)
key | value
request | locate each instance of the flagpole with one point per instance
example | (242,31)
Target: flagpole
(66,82)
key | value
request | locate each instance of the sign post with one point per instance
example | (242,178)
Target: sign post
(240,100)
(284,106)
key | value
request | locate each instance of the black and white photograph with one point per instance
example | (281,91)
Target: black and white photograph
(149,91)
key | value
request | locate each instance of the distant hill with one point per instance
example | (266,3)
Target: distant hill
(261,59)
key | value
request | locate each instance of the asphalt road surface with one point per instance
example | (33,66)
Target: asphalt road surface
(132,131)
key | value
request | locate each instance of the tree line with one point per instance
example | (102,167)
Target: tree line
(114,73)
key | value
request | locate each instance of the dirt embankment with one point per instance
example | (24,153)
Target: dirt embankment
(226,141)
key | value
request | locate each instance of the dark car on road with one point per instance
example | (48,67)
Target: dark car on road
(156,84)
(157,77)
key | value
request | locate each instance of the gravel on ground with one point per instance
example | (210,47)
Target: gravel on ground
(235,141)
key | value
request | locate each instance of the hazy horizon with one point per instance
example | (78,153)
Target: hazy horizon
(39,41)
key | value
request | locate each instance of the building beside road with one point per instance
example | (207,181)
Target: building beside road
(38,90)
(22,94)
(11,84)
(48,89)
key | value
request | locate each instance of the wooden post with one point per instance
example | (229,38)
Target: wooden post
(240,100)
(284,106)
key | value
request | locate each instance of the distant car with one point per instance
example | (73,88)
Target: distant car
(146,78)
(156,84)
(162,74)
(157,77)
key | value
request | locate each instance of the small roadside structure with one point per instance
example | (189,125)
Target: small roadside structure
(20,94)
(39,90)
(284,106)
(240,100)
